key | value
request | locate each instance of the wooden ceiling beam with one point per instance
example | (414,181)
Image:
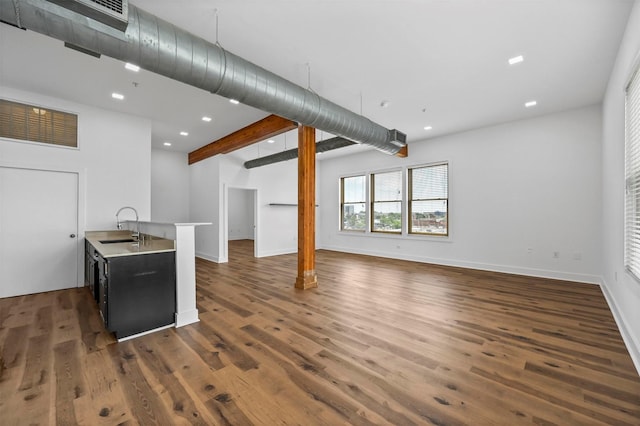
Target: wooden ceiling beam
(269,126)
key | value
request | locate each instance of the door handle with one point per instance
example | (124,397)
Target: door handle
(72,236)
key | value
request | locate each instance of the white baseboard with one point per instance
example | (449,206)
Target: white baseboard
(633,346)
(531,272)
(277,252)
(133,336)
(210,258)
(186,318)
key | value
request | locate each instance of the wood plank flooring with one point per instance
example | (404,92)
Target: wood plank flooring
(379,342)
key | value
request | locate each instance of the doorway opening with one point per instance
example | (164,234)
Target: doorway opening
(242,231)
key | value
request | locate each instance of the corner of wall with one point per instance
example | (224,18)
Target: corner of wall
(633,346)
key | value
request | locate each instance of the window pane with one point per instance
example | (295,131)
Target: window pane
(36,124)
(388,186)
(632,176)
(387,216)
(429,182)
(354,189)
(429,217)
(354,217)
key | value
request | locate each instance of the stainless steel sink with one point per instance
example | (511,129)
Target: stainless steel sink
(124,240)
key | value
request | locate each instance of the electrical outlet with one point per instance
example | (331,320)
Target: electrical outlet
(556,254)
(577,256)
(529,250)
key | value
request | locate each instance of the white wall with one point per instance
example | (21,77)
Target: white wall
(113,159)
(276,226)
(532,184)
(204,206)
(622,290)
(240,214)
(169,186)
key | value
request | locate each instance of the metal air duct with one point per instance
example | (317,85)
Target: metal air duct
(161,47)
(322,146)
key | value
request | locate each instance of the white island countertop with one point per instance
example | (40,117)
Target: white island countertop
(148,244)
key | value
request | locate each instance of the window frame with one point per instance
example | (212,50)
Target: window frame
(410,200)
(61,118)
(632,174)
(342,203)
(372,202)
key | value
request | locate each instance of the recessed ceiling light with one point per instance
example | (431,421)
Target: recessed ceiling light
(384,104)
(234,101)
(117,96)
(167,144)
(132,67)
(207,119)
(270,141)
(184,133)
(428,127)
(530,104)
(516,60)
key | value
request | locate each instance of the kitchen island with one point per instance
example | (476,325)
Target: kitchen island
(133,280)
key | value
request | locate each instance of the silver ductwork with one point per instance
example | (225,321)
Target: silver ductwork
(322,146)
(161,47)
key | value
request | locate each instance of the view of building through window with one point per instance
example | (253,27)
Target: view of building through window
(353,209)
(429,199)
(386,202)
(427,203)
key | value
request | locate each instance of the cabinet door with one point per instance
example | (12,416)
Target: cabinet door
(141,292)
(103,289)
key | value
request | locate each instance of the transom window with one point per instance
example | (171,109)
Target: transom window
(429,200)
(38,124)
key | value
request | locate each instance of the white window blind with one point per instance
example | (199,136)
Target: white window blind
(429,200)
(386,202)
(632,176)
(353,204)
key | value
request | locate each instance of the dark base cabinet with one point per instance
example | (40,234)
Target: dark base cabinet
(91,275)
(137,293)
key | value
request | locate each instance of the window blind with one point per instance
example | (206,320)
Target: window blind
(429,200)
(353,203)
(37,124)
(632,176)
(386,202)
(388,186)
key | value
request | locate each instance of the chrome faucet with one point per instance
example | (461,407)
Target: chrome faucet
(134,234)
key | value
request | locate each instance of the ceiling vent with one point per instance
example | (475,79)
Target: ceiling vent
(114,13)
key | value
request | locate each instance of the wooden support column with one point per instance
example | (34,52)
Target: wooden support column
(307,277)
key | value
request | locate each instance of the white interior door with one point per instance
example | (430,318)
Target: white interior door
(38,231)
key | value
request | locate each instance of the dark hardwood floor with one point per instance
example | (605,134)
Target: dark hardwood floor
(379,342)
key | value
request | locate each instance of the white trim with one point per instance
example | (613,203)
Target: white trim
(186,318)
(530,272)
(633,345)
(210,258)
(277,252)
(133,336)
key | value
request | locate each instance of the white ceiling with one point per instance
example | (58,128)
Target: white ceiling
(441,63)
